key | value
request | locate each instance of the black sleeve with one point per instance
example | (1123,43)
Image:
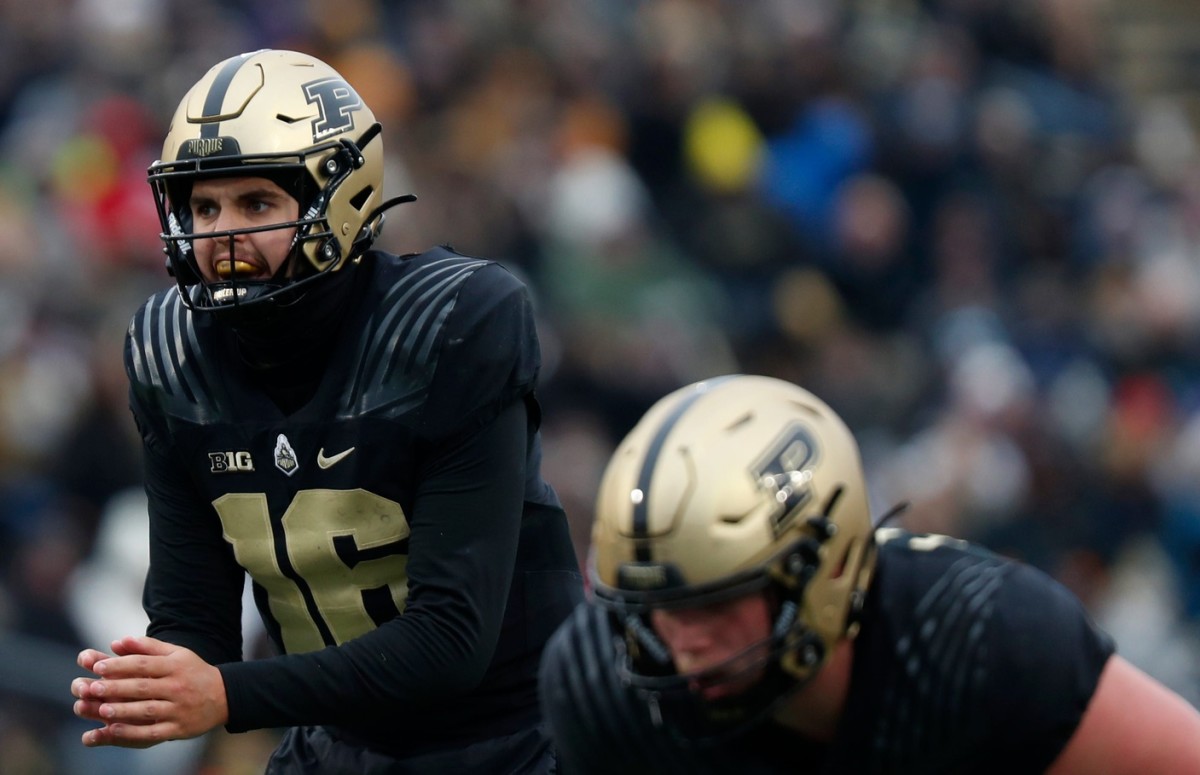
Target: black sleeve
(193,591)
(465,525)
(1050,657)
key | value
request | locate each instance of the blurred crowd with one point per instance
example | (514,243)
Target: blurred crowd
(942,216)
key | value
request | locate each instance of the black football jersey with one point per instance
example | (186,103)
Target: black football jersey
(967,662)
(382,517)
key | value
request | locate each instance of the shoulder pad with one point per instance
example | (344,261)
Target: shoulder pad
(398,349)
(163,361)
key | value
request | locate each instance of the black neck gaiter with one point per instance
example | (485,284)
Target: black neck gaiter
(288,350)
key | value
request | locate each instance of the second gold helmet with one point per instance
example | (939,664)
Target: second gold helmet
(728,486)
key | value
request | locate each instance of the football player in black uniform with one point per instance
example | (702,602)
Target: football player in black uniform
(747,618)
(357,432)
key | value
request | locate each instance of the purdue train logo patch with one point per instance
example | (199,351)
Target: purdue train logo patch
(285,456)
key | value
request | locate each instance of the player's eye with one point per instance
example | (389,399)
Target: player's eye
(204,211)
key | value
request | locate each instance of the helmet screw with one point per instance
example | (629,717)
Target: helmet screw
(331,166)
(327,250)
(809,655)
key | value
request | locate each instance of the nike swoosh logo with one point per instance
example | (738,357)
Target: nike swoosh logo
(326,462)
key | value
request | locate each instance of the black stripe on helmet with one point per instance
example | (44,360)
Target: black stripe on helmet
(641,520)
(216,93)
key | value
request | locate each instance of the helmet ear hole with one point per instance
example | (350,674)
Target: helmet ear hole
(359,200)
(838,567)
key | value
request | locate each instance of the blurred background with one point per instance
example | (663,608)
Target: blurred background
(972,226)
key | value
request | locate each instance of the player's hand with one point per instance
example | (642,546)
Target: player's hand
(150,691)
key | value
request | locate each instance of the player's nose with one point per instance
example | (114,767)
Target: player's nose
(682,633)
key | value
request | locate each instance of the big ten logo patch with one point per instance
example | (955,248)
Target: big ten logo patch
(237,461)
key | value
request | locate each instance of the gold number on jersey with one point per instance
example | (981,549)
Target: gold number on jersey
(344,544)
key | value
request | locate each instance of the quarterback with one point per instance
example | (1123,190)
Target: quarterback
(354,430)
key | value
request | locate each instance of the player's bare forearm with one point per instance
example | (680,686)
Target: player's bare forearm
(148,691)
(1133,724)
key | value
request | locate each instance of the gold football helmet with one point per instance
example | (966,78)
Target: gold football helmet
(725,487)
(293,119)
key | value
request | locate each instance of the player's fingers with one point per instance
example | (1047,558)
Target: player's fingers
(139,712)
(135,666)
(88,709)
(80,687)
(141,644)
(89,657)
(128,735)
(122,690)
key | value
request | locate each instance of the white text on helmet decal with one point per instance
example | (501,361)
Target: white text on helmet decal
(204,146)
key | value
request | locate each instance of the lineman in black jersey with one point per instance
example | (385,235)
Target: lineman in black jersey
(748,618)
(357,432)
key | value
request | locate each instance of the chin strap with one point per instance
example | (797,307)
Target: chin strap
(374,223)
